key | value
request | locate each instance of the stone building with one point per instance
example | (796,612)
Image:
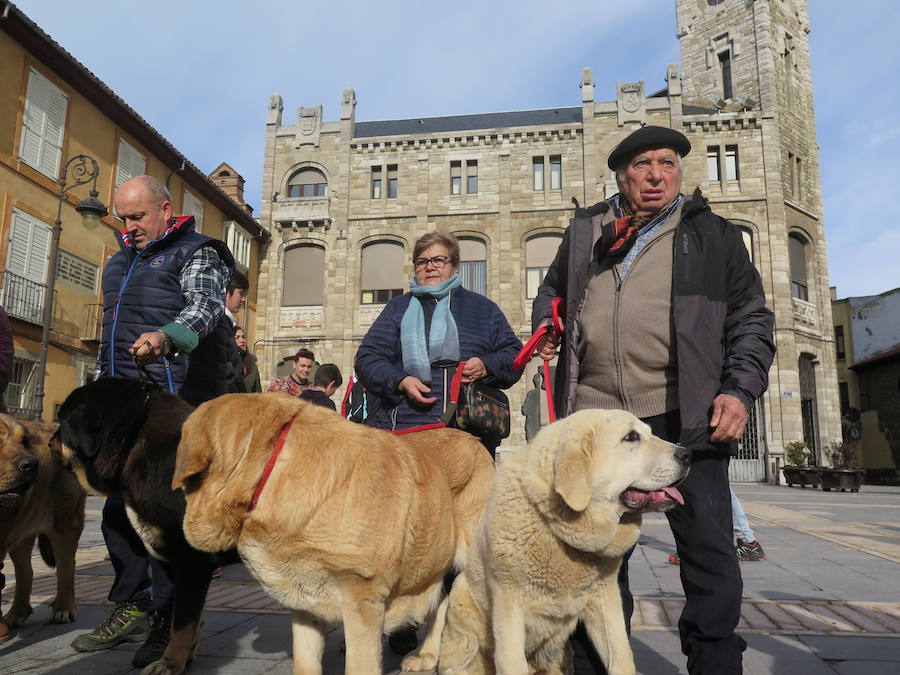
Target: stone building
(344,201)
(52,109)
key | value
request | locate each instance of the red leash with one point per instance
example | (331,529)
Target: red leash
(279,444)
(557,326)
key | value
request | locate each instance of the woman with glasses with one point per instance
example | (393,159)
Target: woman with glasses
(407,358)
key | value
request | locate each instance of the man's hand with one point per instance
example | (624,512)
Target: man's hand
(148,347)
(473,370)
(547,348)
(729,417)
(414,389)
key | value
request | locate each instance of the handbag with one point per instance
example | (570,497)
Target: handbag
(478,408)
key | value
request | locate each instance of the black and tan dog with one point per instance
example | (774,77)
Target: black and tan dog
(39,499)
(120,435)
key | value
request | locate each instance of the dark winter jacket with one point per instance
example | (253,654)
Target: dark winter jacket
(142,292)
(721,326)
(483,332)
(6,355)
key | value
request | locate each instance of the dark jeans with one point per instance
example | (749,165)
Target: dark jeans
(140,577)
(710,574)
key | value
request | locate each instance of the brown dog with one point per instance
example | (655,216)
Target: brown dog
(354,525)
(39,499)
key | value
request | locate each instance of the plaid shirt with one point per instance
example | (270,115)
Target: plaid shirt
(204,280)
(646,232)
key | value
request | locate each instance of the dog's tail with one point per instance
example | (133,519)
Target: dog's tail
(46,550)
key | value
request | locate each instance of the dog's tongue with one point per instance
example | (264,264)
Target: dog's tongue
(674,494)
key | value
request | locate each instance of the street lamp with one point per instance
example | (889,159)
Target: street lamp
(85,170)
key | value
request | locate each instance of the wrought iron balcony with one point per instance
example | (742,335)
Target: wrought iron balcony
(92,325)
(23,298)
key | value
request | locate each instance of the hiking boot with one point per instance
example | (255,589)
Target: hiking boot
(157,639)
(749,550)
(126,622)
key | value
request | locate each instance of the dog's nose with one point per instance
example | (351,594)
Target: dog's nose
(27,464)
(682,454)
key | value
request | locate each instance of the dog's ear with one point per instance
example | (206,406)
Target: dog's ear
(194,456)
(573,481)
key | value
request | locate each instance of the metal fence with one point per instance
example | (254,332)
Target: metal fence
(23,298)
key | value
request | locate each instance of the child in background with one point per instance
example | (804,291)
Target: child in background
(326,381)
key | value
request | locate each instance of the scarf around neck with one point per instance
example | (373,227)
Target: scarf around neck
(443,337)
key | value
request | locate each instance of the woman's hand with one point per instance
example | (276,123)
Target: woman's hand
(547,347)
(414,389)
(473,370)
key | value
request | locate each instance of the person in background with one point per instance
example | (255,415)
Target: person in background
(235,300)
(296,383)
(249,369)
(666,318)
(6,356)
(410,352)
(746,544)
(327,380)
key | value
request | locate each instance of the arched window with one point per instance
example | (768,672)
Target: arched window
(797,255)
(540,251)
(303,279)
(473,264)
(382,272)
(307,182)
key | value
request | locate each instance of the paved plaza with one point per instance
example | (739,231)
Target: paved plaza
(825,600)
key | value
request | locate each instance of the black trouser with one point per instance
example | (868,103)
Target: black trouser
(710,574)
(137,572)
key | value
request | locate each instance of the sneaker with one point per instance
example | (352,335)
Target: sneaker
(403,640)
(749,550)
(216,573)
(126,622)
(157,639)
(673,559)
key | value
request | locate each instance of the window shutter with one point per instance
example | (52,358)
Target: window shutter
(193,207)
(29,246)
(43,125)
(131,163)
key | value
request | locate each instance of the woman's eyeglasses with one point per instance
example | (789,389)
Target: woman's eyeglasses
(439,262)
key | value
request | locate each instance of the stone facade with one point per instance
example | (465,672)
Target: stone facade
(760,137)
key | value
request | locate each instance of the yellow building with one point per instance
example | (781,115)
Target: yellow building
(51,110)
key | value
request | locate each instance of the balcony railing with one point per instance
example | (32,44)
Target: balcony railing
(23,298)
(92,324)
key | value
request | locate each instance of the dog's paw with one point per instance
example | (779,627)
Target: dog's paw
(17,615)
(61,614)
(163,667)
(419,662)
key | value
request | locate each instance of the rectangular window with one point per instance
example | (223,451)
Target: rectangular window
(392,181)
(380,296)
(712,164)
(77,272)
(474,276)
(471,176)
(839,342)
(376,182)
(732,168)
(455,178)
(725,68)
(534,277)
(193,207)
(538,172)
(26,267)
(555,172)
(844,393)
(43,125)
(20,390)
(130,163)
(238,241)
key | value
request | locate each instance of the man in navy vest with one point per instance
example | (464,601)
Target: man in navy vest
(163,308)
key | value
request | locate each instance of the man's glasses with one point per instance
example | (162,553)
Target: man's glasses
(439,262)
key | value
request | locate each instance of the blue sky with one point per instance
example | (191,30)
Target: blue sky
(202,72)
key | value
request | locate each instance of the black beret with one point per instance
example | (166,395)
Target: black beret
(647,137)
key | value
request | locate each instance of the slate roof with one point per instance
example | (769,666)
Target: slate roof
(498,120)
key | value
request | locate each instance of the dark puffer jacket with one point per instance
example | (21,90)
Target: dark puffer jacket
(141,292)
(483,332)
(722,327)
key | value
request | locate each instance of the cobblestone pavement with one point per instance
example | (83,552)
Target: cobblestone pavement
(825,600)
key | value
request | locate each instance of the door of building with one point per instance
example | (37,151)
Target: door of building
(748,466)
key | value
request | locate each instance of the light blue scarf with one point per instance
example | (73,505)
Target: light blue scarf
(443,338)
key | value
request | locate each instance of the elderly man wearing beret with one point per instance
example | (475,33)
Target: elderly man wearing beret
(666,318)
